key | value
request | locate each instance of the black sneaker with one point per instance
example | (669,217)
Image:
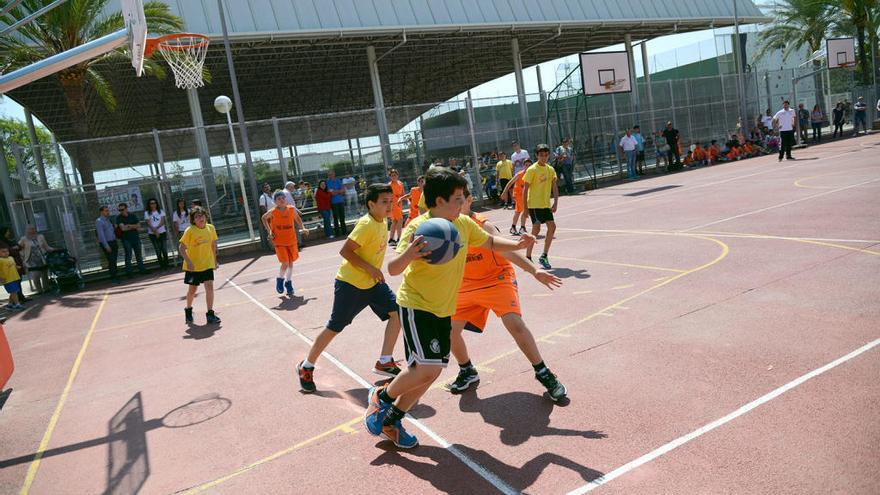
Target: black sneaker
(392,243)
(522,229)
(306,378)
(554,388)
(188,314)
(465,377)
(544,262)
(211,317)
(513,230)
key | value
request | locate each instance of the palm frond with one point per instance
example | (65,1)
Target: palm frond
(101,87)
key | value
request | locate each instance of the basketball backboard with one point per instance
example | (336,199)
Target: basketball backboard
(605,73)
(136,23)
(841,52)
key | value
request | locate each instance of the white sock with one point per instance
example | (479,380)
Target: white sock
(307,364)
(386,358)
(281,271)
(289,273)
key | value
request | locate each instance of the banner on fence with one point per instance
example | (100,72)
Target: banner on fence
(130,195)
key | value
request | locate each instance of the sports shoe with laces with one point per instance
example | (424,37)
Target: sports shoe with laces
(513,230)
(376,410)
(288,285)
(391,368)
(306,378)
(544,262)
(465,377)
(188,314)
(554,387)
(399,436)
(211,317)
(522,229)
(279,285)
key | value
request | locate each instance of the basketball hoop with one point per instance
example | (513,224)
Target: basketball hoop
(185,53)
(613,84)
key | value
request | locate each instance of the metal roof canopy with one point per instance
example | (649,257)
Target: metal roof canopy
(295,59)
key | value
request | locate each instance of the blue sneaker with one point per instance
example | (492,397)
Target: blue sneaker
(375,413)
(279,285)
(399,436)
(289,286)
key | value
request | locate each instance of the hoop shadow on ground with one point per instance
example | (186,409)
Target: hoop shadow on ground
(128,465)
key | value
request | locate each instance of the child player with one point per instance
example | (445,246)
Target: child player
(281,223)
(397,209)
(519,208)
(10,279)
(540,185)
(427,298)
(415,199)
(490,284)
(198,248)
(360,283)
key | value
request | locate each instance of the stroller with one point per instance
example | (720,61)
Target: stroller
(64,272)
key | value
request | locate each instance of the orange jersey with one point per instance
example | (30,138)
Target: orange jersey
(283,226)
(749,149)
(414,194)
(483,267)
(714,152)
(518,184)
(699,153)
(689,159)
(396,208)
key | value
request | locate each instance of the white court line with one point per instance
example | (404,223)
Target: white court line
(484,473)
(786,238)
(780,205)
(678,442)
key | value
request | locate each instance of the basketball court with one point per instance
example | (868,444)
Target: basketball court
(717,328)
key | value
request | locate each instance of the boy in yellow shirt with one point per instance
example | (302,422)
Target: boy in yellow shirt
(540,185)
(427,299)
(10,279)
(360,283)
(503,174)
(198,248)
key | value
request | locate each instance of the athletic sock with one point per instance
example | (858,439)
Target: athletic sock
(393,416)
(466,365)
(384,397)
(540,367)
(307,364)
(386,358)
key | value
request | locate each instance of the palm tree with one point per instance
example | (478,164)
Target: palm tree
(71,24)
(859,16)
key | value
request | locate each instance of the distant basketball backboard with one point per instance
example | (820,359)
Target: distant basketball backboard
(136,23)
(605,73)
(841,52)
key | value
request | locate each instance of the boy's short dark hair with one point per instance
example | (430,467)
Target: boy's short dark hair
(374,190)
(442,182)
(278,194)
(122,205)
(102,208)
(196,211)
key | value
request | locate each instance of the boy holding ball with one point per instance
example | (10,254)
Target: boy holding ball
(427,299)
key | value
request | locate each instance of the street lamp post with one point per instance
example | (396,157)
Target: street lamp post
(224,105)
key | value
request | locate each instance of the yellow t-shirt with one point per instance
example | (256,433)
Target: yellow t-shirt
(8,272)
(504,169)
(434,288)
(540,179)
(422,204)
(372,237)
(198,247)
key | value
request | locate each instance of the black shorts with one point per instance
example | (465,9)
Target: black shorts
(425,337)
(640,156)
(540,215)
(349,301)
(198,278)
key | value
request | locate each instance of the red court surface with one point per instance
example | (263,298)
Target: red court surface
(717,332)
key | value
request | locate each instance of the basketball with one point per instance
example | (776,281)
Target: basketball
(442,240)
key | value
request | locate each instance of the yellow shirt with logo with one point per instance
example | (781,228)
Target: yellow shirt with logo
(504,169)
(8,271)
(372,237)
(434,288)
(199,248)
(540,179)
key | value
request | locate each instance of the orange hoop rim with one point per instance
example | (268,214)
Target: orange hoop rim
(153,44)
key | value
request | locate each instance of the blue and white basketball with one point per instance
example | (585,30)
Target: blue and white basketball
(442,240)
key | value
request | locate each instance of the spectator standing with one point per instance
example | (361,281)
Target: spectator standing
(322,202)
(266,202)
(129,229)
(640,151)
(351,198)
(767,120)
(503,173)
(180,217)
(309,194)
(299,196)
(662,152)
(837,119)
(518,157)
(785,121)
(107,241)
(565,161)
(803,116)
(337,203)
(672,137)
(630,146)
(154,217)
(860,116)
(7,240)
(33,252)
(816,118)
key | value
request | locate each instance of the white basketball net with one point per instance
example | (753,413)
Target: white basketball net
(186,56)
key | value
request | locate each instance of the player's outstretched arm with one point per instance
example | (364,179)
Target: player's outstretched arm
(502,245)
(416,250)
(348,252)
(515,257)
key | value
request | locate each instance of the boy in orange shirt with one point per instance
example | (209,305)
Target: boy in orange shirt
(281,223)
(714,152)
(414,197)
(489,283)
(689,159)
(397,209)
(517,183)
(700,155)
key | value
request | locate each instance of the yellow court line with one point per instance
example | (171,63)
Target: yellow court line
(797,183)
(53,421)
(794,239)
(619,287)
(343,427)
(628,265)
